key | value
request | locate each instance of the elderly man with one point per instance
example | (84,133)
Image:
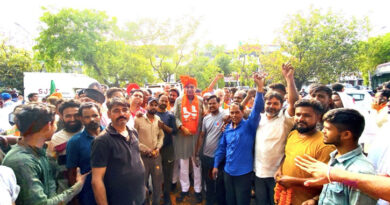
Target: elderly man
(188,111)
(236,149)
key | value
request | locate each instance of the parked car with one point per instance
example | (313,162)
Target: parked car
(363,99)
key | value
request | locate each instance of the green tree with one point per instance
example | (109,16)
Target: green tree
(223,60)
(271,63)
(246,61)
(13,62)
(374,51)
(120,64)
(72,38)
(322,46)
(164,43)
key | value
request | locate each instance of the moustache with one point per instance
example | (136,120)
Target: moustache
(92,126)
(163,106)
(121,117)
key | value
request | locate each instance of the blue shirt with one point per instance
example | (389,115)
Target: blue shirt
(78,154)
(339,193)
(236,145)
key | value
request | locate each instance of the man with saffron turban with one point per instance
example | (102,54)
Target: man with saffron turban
(188,112)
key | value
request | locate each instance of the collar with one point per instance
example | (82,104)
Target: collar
(112,131)
(346,156)
(40,152)
(147,119)
(85,132)
(230,126)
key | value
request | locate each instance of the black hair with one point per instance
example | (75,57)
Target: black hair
(32,117)
(95,84)
(278,86)
(273,94)
(338,87)
(68,104)
(239,106)
(88,105)
(386,85)
(214,96)
(160,95)
(29,96)
(319,87)
(317,107)
(232,90)
(346,119)
(110,92)
(117,101)
(137,90)
(385,92)
(175,90)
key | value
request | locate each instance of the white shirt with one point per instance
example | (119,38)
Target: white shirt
(271,137)
(9,190)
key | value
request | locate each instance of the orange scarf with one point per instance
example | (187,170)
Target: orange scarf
(190,114)
(378,107)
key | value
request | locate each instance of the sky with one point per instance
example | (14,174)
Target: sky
(225,22)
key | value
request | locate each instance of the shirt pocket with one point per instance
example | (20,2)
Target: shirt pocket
(336,193)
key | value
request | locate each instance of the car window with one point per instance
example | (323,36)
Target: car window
(357,96)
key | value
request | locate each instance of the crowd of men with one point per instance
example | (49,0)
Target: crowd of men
(267,145)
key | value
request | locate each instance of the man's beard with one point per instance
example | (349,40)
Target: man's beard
(303,130)
(92,126)
(152,112)
(272,112)
(162,106)
(72,127)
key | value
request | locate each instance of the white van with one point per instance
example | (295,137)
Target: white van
(66,83)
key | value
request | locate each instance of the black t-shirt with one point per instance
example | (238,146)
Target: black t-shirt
(124,177)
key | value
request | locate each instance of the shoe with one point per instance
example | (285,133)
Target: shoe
(198,197)
(167,200)
(173,187)
(181,197)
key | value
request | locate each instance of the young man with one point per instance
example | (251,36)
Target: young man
(188,112)
(322,94)
(151,138)
(115,93)
(28,160)
(236,149)
(78,150)
(306,139)
(136,100)
(205,148)
(168,125)
(117,168)
(33,97)
(271,137)
(342,128)
(173,95)
(69,111)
